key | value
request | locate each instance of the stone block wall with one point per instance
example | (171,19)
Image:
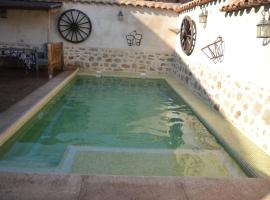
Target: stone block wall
(109,60)
(244,104)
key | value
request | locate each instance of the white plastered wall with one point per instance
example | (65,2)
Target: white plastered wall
(31,27)
(109,32)
(245,58)
(24,27)
(241,85)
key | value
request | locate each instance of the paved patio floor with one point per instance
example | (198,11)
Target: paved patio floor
(79,187)
(16,84)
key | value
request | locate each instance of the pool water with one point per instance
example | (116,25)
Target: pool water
(117,126)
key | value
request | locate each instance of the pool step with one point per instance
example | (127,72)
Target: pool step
(129,161)
(148,162)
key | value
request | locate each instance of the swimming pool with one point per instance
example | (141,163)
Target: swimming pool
(117,126)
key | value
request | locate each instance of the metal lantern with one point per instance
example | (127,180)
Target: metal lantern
(203,16)
(263,27)
(120,15)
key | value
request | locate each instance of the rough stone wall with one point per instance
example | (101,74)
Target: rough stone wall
(101,59)
(244,104)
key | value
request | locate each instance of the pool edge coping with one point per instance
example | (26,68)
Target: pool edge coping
(49,90)
(75,186)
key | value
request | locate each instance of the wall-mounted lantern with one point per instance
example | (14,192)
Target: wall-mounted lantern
(3,13)
(203,16)
(120,15)
(263,27)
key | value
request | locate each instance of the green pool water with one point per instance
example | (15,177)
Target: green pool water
(117,126)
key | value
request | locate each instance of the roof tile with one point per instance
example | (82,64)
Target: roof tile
(139,3)
(235,5)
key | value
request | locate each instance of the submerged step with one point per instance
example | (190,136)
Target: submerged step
(149,162)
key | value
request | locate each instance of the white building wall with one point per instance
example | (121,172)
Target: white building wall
(245,58)
(24,27)
(238,87)
(31,27)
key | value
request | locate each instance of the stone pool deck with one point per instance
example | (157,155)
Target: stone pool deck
(16,84)
(80,187)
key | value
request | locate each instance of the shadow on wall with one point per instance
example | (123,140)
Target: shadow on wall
(154,55)
(241,12)
(186,75)
(107,48)
(253,161)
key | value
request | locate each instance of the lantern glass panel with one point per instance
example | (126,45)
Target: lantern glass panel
(202,18)
(263,30)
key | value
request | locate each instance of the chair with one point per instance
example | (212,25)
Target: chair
(51,56)
(42,57)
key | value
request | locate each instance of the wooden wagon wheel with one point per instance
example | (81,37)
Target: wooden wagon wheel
(188,35)
(74,26)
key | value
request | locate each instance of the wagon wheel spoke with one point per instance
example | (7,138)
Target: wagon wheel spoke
(66,25)
(83,17)
(72,17)
(72,36)
(85,27)
(76,36)
(66,29)
(76,20)
(63,20)
(83,31)
(83,23)
(68,18)
(80,34)
(67,33)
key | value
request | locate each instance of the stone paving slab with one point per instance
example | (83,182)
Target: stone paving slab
(226,189)
(39,186)
(81,187)
(123,188)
